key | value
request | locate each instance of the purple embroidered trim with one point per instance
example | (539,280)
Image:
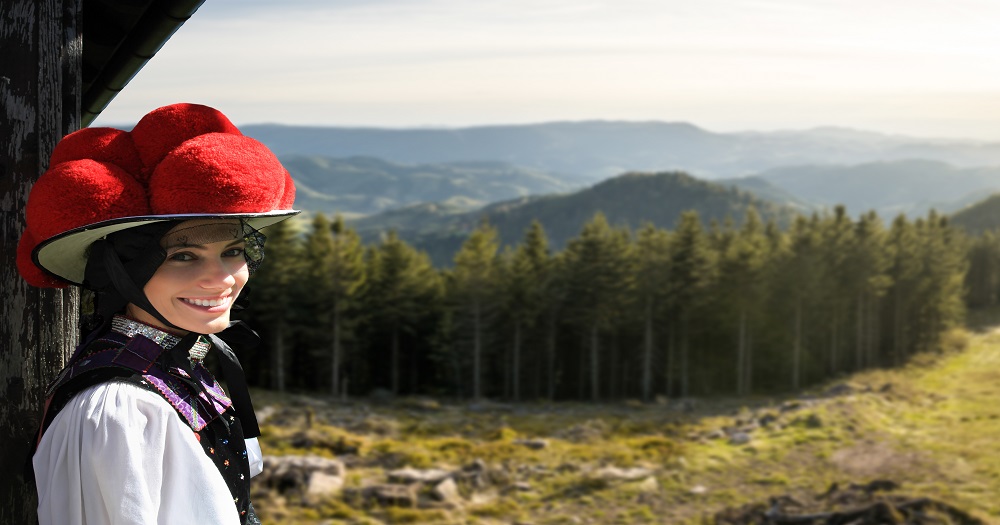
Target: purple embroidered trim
(197,413)
(219,399)
(182,404)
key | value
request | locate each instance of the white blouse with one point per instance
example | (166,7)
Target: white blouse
(117,454)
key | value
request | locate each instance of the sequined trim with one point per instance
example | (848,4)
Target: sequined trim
(132,328)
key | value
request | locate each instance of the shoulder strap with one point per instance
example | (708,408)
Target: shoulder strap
(97,365)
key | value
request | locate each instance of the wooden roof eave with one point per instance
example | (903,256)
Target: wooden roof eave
(123,40)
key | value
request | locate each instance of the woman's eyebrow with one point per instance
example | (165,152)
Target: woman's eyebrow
(201,246)
(186,245)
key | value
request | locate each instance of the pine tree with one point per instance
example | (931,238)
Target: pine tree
(692,271)
(348,276)
(798,282)
(982,282)
(942,278)
(904,270)
(525,275)
(599,276)
(867,261)
(336,274)
(774,331)
(838,234)
(741,269)
(652,267)
(318,259)
(473,290)
(401,284)
(274,289)
(555,294)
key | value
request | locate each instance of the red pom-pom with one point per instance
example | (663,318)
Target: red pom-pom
(288,199)
(166,128)
(81,192)
(217,173)
(32,274)
(183,158)
(110,145)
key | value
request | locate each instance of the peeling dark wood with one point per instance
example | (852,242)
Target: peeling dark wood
(39,104)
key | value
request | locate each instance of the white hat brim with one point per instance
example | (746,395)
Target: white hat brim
(65,255)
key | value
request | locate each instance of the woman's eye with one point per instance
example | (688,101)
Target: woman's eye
(233,252)
(182,256)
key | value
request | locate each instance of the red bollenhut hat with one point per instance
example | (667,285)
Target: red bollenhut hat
(179,162)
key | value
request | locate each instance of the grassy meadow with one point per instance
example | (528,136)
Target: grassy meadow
(932,428)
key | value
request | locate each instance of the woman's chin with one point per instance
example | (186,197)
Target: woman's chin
(213,326)
(216,326)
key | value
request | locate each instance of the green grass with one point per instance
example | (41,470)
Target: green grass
(935,429)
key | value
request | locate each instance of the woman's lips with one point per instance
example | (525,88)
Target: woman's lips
(216,304)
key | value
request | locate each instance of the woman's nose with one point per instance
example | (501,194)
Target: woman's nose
(217,274)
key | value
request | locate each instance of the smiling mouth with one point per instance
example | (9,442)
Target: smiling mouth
(208,303)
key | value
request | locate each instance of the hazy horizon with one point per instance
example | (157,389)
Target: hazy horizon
(920,68)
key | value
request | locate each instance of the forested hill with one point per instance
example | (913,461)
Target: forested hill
(980,217)
(627,200)
(593,150)
(767,191)
(365,185)
(912,187)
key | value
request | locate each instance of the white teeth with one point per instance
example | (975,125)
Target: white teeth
(205,302)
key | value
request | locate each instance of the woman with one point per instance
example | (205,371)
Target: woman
(162,224)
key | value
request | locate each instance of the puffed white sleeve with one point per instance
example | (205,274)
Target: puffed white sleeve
(255,457)
(117,454)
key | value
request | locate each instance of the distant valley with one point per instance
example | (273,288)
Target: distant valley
(589,151)
(434,185)
(359,186)
(911,187)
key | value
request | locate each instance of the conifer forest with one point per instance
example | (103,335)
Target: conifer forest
(724,309)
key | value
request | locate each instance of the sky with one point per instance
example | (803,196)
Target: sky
(927,68)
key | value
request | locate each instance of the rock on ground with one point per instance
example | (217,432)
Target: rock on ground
(410,475)
(447,492)
(613,474)
(315,478)
(386,495)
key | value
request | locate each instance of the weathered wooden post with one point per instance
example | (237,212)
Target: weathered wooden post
(40,67)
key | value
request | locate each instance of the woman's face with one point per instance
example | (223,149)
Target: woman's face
(196,285)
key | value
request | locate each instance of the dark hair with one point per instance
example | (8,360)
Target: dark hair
(120,265)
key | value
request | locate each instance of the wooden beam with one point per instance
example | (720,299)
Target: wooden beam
(39,104)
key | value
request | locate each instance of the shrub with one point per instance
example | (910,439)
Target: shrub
(954,340)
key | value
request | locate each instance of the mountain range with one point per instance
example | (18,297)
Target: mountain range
(436,184)
(589,151)
(358,186)
(911,187)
